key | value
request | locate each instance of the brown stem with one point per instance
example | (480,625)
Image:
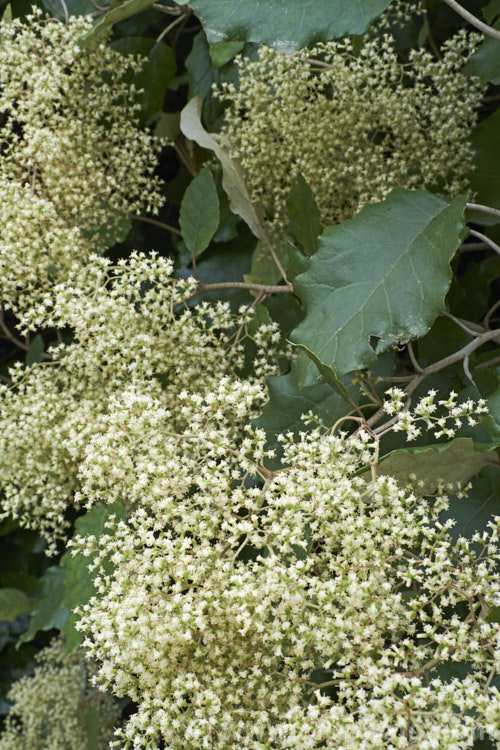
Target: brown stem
(158,223)
(12,337)
(484,209)
(275,258)
(486,240)
(184,159)
(263,288)
(489,363)
(463,353)
(473,20)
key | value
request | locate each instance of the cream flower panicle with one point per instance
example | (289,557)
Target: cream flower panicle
(355,123)
(75,163)
(320,606)
(131,330)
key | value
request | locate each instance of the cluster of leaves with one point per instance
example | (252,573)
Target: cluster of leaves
(403,294)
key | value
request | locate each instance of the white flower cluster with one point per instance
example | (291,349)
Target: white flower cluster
(399,13)
(130,330)
(446,416)
(354,123)
(50,708)
(317,608)
(74,162)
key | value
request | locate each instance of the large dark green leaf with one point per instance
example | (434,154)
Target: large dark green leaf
(93,728)
(13,603)
(114,15)
(74,7)
(284,24)
(378,279)
(199,214)
(473,512)
(223,52)
(288,403)
(35,350)
(48,612)
(485,63)
(233,180)
(491,421)
(157,71)
(456,461)
(485,175)
(304,216)
(79,581)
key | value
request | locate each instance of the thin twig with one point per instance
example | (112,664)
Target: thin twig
(275,258)
(490,312)
(473,329)
(486,240)
(473,20)
(463,353)
(157,223)
(484,209)
(493,361)
(413,359)
(56,10)
(164,9)
(12,337)
(263,288)
(466,351)
(467,246)
(171,26)
(65,9)
(184,159)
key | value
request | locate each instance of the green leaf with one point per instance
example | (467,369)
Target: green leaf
(473,512)
(491,11)
(378,279)
(199,67)
(199,214)
(93,730)
(284,24)
(456,461)
(233,180)
(264,270)
(117,13)
(223,52)
(75,7)
(484,177)
(157,71)
(227,261)
(228,224)
(35,350)
(79,581)
(261,318)
(304,216)
(288,403)
(327,373)
(206,70)
(7,15)
(494,615)
(48,612)
(491,421)
(485,63)
(167,126)
(13,603)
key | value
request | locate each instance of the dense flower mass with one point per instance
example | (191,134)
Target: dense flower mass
(329,601)
(130,328)
(355,123)
(318,606)
(74,163)
(49,709)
